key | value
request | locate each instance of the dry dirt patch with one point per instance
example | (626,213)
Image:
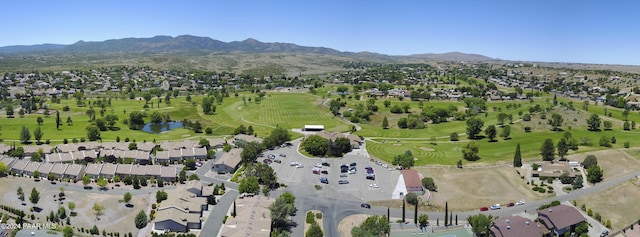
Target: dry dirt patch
(349,222)
(615,163)
(616,204)
(468,189)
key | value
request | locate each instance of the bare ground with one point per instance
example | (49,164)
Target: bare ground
(616,204)
(615,163)
(116,218)
(349,222)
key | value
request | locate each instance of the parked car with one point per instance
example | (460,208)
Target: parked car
(343,181)
(364,205)
(317,165)
(326,164)
(371,176)
(521,202)
(316,171)
(283,155)
(324,180)
(352,171)
(343,175)
(373,185)
(299,166)
(484,209)
(277,161)
(324,172)
(344,168)
(495,206)
(510,204)
(293,163)
(604,233)
(352,164)
(267,161)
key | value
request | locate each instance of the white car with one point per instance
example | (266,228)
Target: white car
(495,206)
(299,166)
(521,202)
(373,185)
(317,165)
(293,163)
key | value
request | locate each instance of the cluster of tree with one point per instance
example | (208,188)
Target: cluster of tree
(265,175)
(361,112)
(594,172)
(412,121)
(373,226)
(195,126)
(404,160)
(208,104)
(281,211)
(157,117)
(320,146)
(243,130)
(429,184)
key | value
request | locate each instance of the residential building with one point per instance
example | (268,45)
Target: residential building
(253,218)
(517,226)
(31,168)
(74,172)
(241,139)
(153,171)
(554,170)
(58,170)
(180,212)
(560,219)
(168,173)
(45,169)
(108,171)
(228,162)
(93,170)
(19,166)
(123,170)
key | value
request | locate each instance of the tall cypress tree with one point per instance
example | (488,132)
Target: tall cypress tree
(415,214)
(57,120)
(451,219)
(517,158)
(446,213)
(403,207)
(388,216)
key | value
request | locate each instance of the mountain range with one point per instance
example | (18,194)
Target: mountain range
(188,43)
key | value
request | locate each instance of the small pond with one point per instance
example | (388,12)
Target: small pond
(161,127)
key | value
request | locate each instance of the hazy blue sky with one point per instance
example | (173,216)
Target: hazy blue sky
(542,30)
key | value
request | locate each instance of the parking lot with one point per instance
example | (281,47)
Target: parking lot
(358,185)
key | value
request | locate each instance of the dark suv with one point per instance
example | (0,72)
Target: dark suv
(364,205)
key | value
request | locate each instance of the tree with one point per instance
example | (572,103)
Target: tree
(67,231)
(446,213)
(385,123)
(491,132)
(314,230)
(37,134)
(480,224)
(626,126)
(517,158)
(58,121)
(161,195)
(429,184)
(250,152)
(405,160)
(423,220)
(502,117)
(547,151)
(506,132)
(470,151)
(249,185)
(93,133)
(281,210)
(25,135)
(578,182)
(373,226)
(102,183)
(563,148)
(20,193)
(474,127)
(39,120)
(35,196)
(594,174)
(141,220)
(86,179)
(111,120)
(556,121)
(590,161)
(593,122)
(607,125)
(411,198)
(10,111)
(127,197)
(315,145)
(3,169)
(36,174)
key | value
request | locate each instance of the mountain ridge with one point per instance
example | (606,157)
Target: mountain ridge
(163,43)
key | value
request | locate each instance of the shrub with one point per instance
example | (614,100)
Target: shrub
(319,215)
(627,145)
(309,218)
(527,129)
(550,191)
(224,220)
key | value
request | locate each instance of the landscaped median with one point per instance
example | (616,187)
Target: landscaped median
(313,224)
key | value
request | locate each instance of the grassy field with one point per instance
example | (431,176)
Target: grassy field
(288,110)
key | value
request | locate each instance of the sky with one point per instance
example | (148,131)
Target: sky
(578,31)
